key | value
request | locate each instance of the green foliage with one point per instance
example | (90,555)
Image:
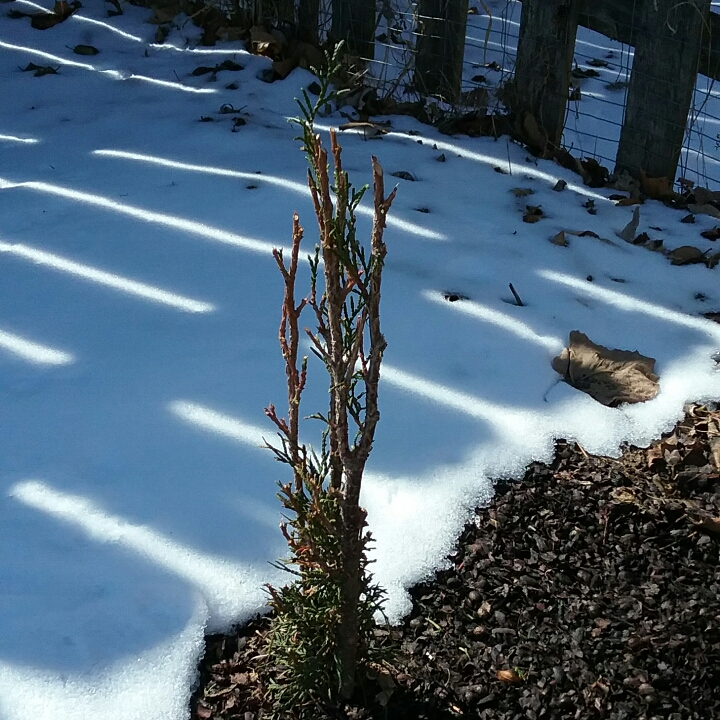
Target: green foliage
(303,643)
(322,633)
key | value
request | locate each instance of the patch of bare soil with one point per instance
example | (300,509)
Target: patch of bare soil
(589,589)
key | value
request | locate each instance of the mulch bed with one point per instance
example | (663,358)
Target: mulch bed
(588,589)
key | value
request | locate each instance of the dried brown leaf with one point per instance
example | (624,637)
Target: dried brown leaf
(703,196)
(263,43)
(612,377)
(533,214)
(508,676)
(686,255)
(370,130)
(657,188)
(706,209)
(714,443)
(44,21)
(630,230)
(522,192)
(284,67)
(710,525)
(85,50)
(560,239)
(625,202)
(203,711)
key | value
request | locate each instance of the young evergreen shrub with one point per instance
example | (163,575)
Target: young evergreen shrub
(322,632)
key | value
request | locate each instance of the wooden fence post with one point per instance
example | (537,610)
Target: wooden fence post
(309,20)
(440,47)
(667,48)
(354,22)
(544,62)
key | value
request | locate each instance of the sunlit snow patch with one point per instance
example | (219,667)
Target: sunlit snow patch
(215,422)
(155,685)
(282,183)
(100,277)
(16,139)
(189,226)
(231,590)
(33,352)
(115,74)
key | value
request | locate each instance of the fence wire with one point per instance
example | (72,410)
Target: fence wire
(411,49)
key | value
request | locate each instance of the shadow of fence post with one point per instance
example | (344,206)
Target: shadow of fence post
(667,49)
(544,62)
(440,47)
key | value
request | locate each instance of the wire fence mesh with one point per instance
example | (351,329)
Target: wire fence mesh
(459,57)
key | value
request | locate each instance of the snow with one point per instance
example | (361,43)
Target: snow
(138,342)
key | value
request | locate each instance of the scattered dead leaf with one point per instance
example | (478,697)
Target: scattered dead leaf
(560,185)
(62,10)
(688,219)
(264,43)
(522,192)
(508,676)
(715,450)
(581,73)
(370,130)
(202,70)
(685,183)
(686,255)
(706,209)
(624,495)
(610,376)
(533,214)
(705,196)
(597,174)
(628,201)
(713,234)
(484,609)
(629,231)
(284,67)
(657,188)
(560,239)
(203,711)
(85,50)
(229,109)
(40,70)
(404,175)
(230,65)
(44,21)
(709,525)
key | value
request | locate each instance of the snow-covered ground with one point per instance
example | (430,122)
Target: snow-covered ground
(139,306)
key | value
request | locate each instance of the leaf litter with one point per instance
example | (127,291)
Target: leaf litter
(590,588)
